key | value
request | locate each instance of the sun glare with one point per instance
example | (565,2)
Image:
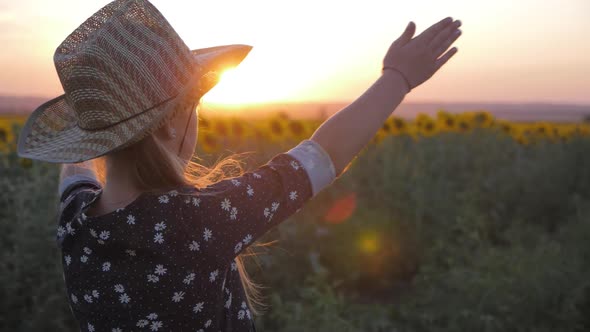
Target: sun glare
(255,81)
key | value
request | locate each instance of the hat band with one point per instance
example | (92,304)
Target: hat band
(126,119)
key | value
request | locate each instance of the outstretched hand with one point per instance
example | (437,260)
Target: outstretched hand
(420,57)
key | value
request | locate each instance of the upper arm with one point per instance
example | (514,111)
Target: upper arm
(76,175)
(233,213)
(70,183)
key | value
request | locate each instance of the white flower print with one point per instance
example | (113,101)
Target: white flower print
(244,312)
(119,288)
(74,298)
(104,235)
(173,193)
(131,219)
(159,238)
(88,298)
(160,226)
(152,316)
(228,302)
(238,247)
(160,270)
(213,275)
(120,209)
(256,175)
(90,327)
(196,201)
(155,325)
(68,259)
(275,206)
(93,232)
(208,323)
(116,329)
(95,293)
(194,246)
(233,214)
(226,204)
(163,199)
(266,212)
(124,298)
(293,195)
(207,234)
(234,266)
(142,323)
(236,182)
(198,307)
(250,190)
(87,250)
(295,165)
(100,241)
(60,231)
(130,252)
(153,278)
(69,229)
(106,266)
(84,217)
(187,200)
(177,296)
(189,277)
(248,239)
(84,259)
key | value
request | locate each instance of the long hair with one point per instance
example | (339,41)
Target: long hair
(155,168)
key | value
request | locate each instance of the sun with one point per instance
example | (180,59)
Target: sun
(250,83)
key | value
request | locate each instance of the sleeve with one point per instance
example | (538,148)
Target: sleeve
(70,184)
(233,213)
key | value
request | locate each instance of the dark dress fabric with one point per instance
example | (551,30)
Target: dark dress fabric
(165,262)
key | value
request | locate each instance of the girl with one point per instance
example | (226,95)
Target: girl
(151,240)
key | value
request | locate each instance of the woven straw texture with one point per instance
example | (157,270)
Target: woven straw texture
(123,71)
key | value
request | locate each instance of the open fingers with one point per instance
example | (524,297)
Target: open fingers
(447,43)
(434,30)
(441,41)
(443,59)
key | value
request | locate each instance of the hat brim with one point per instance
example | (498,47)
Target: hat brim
(51,132)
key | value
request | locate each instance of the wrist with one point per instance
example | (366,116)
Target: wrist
(399,76)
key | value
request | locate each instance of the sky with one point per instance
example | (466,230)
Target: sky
(332,51)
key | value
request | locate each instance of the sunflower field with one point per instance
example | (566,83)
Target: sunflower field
(452,222)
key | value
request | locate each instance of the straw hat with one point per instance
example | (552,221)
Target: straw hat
(123,72)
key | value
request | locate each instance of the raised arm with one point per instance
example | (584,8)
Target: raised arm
(71,174)
(407,62)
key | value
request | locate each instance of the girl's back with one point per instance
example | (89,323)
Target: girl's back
(166,260)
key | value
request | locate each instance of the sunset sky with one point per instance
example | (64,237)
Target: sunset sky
(323,50)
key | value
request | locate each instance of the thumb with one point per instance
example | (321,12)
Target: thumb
(408,34)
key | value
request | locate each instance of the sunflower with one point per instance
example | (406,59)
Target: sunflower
(428,128)
(296,129)
(481,119)
(209,142)
(277,128)
(505,127)
(522,139)
(397,126)
(463,125)
(220,128)
(544,130)
(446,122)
(238,129)
(421,119)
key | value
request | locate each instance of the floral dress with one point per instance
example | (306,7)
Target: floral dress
(166,261)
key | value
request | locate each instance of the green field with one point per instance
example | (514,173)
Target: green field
(468,224)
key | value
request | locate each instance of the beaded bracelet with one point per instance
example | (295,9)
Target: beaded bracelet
(403,76)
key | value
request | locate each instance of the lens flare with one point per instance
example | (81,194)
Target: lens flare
(342,209)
